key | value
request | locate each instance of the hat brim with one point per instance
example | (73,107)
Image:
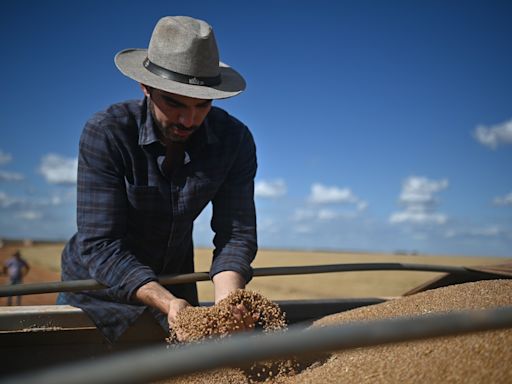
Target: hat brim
(130,63)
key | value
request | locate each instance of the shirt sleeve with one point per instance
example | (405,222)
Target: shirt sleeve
(234,216)
(102,211)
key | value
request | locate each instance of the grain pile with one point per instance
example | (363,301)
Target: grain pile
(474,358)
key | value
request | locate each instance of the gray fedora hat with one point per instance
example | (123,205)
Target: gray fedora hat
(182,58)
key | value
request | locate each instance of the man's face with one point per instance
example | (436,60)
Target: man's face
(176,116)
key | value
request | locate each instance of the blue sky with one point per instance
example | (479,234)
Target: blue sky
(380,125)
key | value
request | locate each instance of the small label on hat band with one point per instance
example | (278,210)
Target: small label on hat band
(179,77)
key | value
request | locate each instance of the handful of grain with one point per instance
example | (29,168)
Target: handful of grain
(203,323)
(200,323)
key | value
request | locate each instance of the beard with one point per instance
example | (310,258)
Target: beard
(177,133)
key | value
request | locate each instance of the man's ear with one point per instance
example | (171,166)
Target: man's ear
(146,89)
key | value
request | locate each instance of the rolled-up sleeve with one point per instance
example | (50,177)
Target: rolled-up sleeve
(102,210)
(234,216)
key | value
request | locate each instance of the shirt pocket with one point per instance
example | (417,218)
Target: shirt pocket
(146,200)
(149,211)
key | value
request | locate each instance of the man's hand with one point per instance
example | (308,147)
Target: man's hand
(156,296)
(175,307)
(245,321)
(225,283)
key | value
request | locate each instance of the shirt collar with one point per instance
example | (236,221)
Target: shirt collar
(147,129)
(147,133)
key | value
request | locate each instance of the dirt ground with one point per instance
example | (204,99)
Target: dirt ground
(36,274)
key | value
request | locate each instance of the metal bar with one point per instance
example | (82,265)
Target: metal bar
(89,285)
(50,287)
(154,364)
(354,267)
(17,319)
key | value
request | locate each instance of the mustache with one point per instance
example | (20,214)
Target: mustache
(183,128)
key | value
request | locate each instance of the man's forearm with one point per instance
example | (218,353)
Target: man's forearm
(226,282)
(156,296)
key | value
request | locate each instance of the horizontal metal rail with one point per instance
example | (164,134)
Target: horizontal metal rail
(158,363)
(89,285)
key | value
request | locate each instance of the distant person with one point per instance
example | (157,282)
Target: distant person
(146,170)
(16,268)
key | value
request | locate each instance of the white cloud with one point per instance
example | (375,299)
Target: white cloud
(417,217)
(28,204)
(268,225)
(419,191)
(303,229)
(418,198)
(29,215)
(361,205)
(59,170)
(10,176)
(305,215)
(327,214)
(494,136)
(4,157)
(503,200)
(270,189)
(321,194)
(55,200)
(7,201)
(489,231)
(301,214)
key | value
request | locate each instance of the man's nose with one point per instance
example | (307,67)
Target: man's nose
(186,117)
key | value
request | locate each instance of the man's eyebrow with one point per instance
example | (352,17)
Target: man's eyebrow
(172,100)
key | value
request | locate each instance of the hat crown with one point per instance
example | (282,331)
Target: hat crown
(184,45)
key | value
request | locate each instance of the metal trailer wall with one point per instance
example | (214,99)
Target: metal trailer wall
(160,363)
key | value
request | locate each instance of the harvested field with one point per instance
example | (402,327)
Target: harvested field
(338,284)
(45,262)
(474,358)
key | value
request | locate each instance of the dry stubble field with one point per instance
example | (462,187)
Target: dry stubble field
(45,263)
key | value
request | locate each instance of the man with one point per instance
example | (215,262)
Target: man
(16,268)
(147,169)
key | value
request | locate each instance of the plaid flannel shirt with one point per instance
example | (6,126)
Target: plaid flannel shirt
(135,224)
